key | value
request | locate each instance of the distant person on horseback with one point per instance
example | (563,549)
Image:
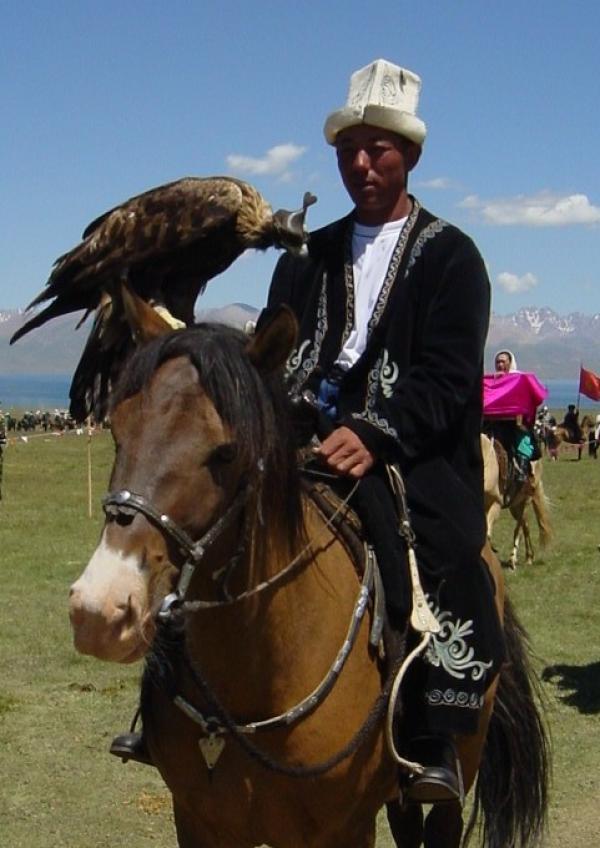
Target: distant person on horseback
(393,307)
(571,424)
(516,437)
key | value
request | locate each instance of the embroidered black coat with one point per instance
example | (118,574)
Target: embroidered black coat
(414,396)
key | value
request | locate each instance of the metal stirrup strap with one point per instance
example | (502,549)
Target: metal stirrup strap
(422,619)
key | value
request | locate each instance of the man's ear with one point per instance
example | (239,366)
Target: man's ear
(412,154)
(274,340)
(144,321)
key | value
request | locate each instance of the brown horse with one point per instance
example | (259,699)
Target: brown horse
(501,492)
(560,436)
(216,563)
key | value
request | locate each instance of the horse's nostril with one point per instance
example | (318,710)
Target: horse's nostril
(124,519)
(123,611)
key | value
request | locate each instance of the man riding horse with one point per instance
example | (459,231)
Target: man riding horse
(514,429)
(392,304)
(572,425)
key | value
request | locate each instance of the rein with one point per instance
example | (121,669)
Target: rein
(216,726)
(125,502)
(195,606)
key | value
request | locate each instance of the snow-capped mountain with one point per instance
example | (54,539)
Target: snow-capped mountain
(541,322)
(551,345)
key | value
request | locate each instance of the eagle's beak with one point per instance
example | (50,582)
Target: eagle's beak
(290,232)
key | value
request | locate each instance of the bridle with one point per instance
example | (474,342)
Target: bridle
(125,502)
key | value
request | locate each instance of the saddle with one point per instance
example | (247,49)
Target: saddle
(508,480)
(342,516)
(345,520)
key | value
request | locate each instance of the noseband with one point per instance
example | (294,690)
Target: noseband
(125,502)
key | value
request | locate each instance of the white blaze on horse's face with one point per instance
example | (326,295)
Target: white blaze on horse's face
(165,438)
(106,604)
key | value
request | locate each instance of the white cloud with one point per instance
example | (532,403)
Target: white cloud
(275,162)
(442,183)
(513,284)
(545,209)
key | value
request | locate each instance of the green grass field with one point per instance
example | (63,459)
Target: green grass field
(59,711)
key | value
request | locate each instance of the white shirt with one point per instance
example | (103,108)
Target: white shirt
(372,249)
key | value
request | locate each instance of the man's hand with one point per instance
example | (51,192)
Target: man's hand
(344,453)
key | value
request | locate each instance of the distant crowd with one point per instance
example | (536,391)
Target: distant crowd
(47,421)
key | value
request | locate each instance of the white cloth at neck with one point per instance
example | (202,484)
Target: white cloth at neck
(372,249)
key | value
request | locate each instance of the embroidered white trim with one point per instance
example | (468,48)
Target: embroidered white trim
(452,698)
(392,272)
(369,414)
(295,359)
(429,232)
(388,375)
(449,647)
(308,365)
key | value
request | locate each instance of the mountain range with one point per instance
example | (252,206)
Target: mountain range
(551,345)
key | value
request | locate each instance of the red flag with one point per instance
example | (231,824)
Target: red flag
(589,384)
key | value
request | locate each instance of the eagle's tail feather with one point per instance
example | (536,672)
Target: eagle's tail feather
(99,366)
(53,310)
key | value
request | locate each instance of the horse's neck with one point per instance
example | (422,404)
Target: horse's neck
(281,623)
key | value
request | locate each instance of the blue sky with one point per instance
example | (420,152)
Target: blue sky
(101,101)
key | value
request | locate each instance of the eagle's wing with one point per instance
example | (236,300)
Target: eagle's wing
(147,239)
(148,226)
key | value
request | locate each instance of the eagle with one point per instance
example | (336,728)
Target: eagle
(164,245)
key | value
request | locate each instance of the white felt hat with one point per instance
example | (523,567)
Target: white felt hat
(382,95)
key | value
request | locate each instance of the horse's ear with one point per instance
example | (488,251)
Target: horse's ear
(274,340)
(144,321)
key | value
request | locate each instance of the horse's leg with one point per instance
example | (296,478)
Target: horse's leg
(190,834)
(514,554)
(542,515)
(444,826)
(187,837)
(517,510)
(492,514)
(406,824)
(529,552)
(366,840)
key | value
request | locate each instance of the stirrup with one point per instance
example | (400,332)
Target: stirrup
(441,779)
(131,746)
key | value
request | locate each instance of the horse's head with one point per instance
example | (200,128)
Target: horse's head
(196,423)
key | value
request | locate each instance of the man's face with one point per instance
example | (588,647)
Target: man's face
(374,166)
(502,363)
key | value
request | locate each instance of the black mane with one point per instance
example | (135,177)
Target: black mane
(254,405)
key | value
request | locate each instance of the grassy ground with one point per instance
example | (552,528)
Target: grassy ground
(58,711)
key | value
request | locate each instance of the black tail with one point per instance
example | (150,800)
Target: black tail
(512,786)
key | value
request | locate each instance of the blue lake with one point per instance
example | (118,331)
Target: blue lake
(50,391)
(35,391)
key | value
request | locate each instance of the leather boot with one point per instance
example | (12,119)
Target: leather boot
(131,746)
(441,779)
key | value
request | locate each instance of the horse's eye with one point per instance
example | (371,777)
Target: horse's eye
(224,453)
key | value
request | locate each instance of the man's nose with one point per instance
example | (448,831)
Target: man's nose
(361,161)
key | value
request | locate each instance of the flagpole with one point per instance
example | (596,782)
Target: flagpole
(579,385)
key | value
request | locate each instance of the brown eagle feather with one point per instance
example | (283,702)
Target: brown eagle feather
(166,244)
